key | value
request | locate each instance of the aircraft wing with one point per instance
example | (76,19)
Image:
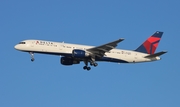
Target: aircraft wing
(100,50)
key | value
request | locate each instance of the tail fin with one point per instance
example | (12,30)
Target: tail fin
(150,45)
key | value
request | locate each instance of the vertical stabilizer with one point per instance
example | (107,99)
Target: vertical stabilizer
(150,45)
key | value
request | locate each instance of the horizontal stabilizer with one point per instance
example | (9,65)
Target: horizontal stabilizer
(156,54)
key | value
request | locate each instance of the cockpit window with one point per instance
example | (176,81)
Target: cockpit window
(22,42)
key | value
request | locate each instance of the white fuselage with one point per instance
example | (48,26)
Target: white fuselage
(65,49)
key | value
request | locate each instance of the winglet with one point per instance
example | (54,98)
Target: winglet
(156,54)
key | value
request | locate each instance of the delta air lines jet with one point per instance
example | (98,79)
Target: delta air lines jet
(74,53)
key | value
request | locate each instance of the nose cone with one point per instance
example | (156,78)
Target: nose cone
(16,47)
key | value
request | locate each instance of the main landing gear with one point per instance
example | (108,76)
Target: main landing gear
(87,68)
(92,63)
(32,56)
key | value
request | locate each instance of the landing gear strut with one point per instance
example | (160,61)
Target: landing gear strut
(92,63)
(86,66)
(32,56)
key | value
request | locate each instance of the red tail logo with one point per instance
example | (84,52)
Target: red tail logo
(150,45)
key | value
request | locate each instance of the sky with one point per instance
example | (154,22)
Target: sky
(47,83)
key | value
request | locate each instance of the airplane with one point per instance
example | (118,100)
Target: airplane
(75,53)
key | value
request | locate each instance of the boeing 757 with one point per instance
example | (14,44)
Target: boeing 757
(74,53)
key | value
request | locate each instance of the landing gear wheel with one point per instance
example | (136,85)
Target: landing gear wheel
(91,64)
(85,67)
(88,68)
(32,59)
(95,64)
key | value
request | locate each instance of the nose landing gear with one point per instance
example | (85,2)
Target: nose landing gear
(32,56)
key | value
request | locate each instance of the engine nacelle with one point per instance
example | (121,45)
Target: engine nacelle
(77,53)
(68,61)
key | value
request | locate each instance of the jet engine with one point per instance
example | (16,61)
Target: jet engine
(68,61)
(77,53)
